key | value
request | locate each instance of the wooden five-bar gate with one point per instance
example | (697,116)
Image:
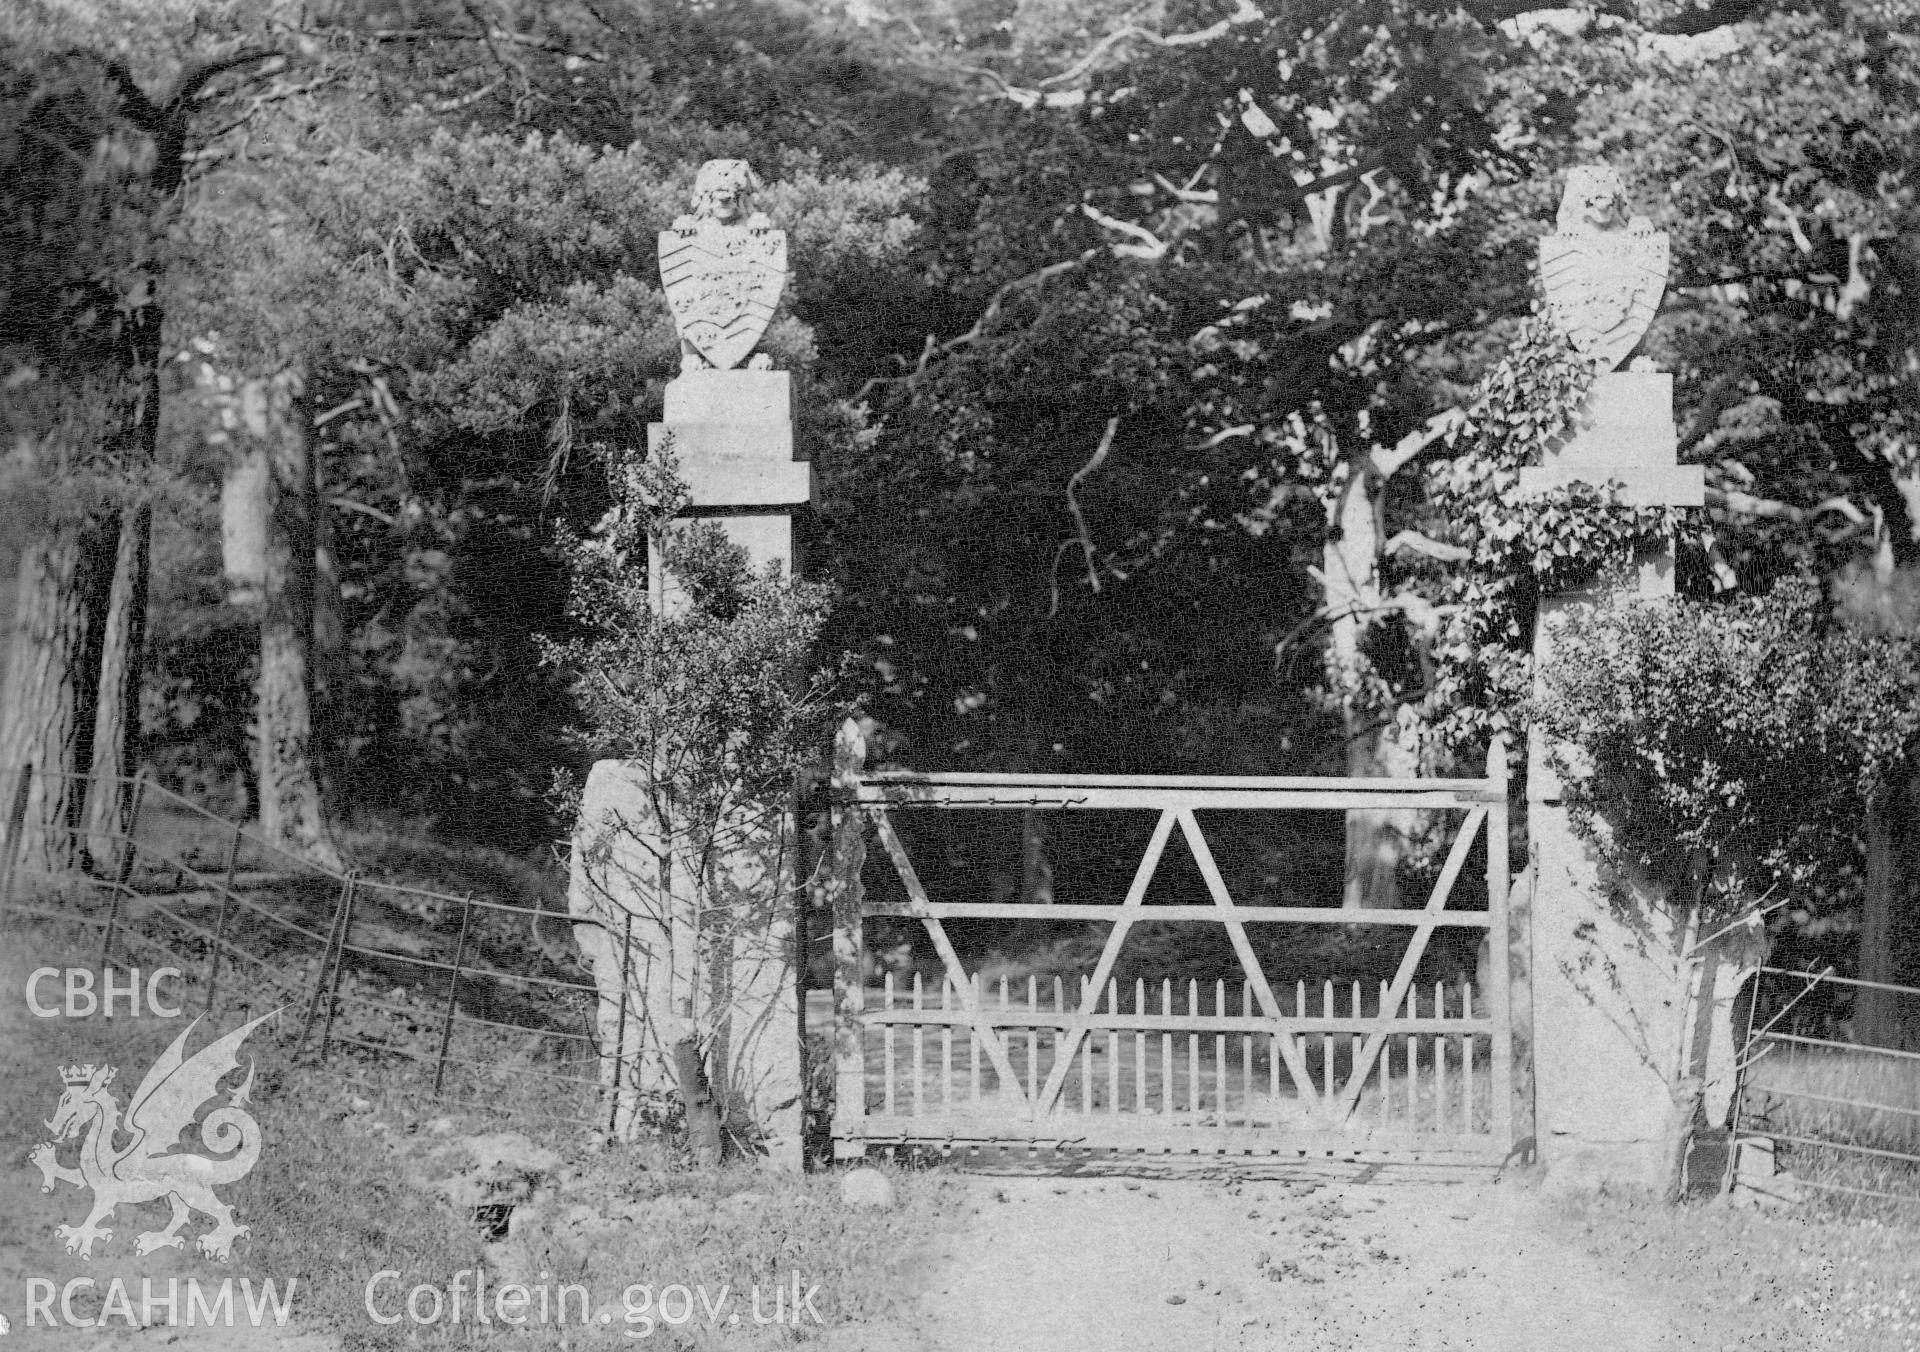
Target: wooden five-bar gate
(1405,1073)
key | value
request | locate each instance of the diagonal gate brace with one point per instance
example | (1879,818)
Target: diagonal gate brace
(1402,979)
(1090,997)
(922,908)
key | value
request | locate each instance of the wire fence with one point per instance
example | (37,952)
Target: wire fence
(383,973)
(1830,1083)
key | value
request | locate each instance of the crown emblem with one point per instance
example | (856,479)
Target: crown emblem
(167,1102)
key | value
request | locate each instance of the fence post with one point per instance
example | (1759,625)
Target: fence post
(845,895)
(1510,946)
(220,925)
(76,837)
(16,827)
(113,918)
(453,987)
(213,955)
(1731,1167)
(129,844)
(320,977)
(620,1027)
(339,961)
(233,855)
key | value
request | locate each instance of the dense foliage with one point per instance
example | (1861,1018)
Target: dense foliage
(473,309)
(1167,396)
(710,692)
(1735,746)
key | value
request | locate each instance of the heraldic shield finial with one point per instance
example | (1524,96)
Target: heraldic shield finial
(1604,274)
(723,267)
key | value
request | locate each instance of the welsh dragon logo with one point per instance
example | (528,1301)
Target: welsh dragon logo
(149,1165)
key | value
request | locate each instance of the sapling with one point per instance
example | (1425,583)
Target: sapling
(693,668)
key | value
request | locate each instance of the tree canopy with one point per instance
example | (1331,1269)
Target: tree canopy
(1160,372)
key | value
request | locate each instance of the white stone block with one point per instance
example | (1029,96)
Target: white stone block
(733,438)
(614,891)
(765,443)
(730,397)
(1640,485)
(1633,409)
(731,479)
(867,1188)
(243,522)
(1624,431)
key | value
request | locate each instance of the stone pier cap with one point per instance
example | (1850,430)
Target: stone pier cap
(733,437)
(1624,432)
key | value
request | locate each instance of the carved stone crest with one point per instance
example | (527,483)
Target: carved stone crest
(1604,274)
(723,267)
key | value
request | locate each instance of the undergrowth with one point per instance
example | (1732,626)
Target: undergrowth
(1761,1280)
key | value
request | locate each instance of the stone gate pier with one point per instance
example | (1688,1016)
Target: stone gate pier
(1632,1011)
(665,971)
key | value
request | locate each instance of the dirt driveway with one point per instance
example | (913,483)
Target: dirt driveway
(1114,1265)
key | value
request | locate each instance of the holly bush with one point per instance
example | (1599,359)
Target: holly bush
(1731,745)
(713,695)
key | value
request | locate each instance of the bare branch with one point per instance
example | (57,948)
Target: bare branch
(1026,98)
(322,419)
(1037,277)
(1098,458)
(1341,178)
(1772,509)
(194,82)
(1375,195)
(1857,288)
(1416,543)
(1196,196)
(487,35)
(1748,505)
(1858,522)
(1084,537)
(1244,12)
(1445,424)
(1224,434)
(1048,94)
(349,505)
(468,100)
(486,39)
(167,120)
(1724,578)
(261,100)
(157,118)
(1150,247)
(1842,506)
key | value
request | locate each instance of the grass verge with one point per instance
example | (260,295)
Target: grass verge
(1761,1281)
(352,1182)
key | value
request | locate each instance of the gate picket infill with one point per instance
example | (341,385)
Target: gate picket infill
(1133,1103)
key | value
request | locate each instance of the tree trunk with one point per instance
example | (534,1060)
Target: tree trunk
(47,704)
(274,411)
(116,723)
(1677,1135)
(1377,838)
(1885,1018)
(1036,863)
(696,1100)
(1350,569)
(328,668)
